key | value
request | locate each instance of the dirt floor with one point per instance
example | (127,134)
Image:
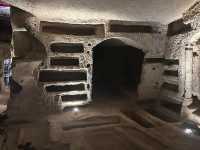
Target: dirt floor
(4,97)
(105,124)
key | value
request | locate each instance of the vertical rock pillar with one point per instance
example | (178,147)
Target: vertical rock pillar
(188,80)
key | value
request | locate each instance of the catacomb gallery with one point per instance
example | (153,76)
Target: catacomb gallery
(99,75)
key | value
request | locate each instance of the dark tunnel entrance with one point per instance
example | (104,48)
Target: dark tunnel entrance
(117,69)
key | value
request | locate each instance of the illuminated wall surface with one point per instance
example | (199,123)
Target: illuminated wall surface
(138,10)
(102,73)
(65,39)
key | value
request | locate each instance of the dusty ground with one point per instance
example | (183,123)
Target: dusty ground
(105,124)
(4,96)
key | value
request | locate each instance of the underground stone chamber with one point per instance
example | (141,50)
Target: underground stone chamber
(110,80)
(119,74)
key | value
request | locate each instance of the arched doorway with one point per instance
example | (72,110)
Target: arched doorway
(117,69)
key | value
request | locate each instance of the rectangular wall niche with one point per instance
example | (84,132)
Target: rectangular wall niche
(66,98)
(73,29)
(153,60)
(171,73)
(170,87)
(64,62)
(54,76)
(65,88)
(67,47)
(129,28)
(178,27)
(170,62)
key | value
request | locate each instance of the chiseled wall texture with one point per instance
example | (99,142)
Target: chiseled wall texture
(163,11)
